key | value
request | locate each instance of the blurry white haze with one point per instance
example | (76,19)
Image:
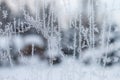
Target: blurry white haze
(68,9)
(85,42)
(64,9)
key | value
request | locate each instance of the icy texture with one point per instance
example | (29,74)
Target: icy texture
(89,30)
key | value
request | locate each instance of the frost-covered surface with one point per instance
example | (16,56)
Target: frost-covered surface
(59,40)
(70,69)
